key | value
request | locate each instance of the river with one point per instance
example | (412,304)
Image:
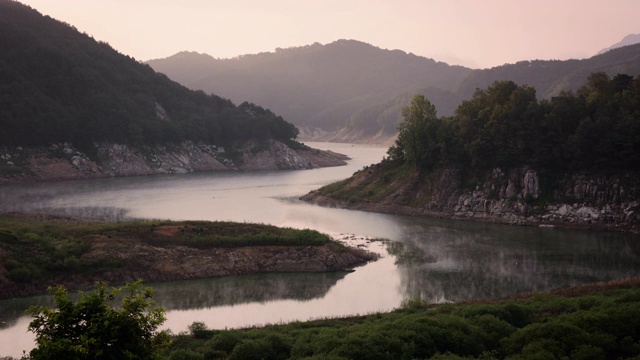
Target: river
(438,260)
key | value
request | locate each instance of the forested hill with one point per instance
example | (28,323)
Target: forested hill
(59,85)
(355,91)
(314,86)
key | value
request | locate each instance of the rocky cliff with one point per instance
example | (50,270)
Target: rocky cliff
(64,161)
(520,196)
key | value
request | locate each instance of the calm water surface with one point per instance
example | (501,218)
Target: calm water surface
(433,259)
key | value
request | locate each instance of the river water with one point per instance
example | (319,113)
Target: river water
(436,260)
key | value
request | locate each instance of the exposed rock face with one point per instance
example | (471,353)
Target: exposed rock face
(514,197)
(276,156)
(123,160)
(63,161)
(577,199)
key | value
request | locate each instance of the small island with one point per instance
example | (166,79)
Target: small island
(38,251)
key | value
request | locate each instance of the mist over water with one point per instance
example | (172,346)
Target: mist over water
(437,260)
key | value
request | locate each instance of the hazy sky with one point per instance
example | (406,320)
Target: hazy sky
(474,33)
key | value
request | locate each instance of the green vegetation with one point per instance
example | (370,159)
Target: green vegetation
(206,235)
(95,327)
(595,129)
(59,85)
(35,250)
(597,324)
(375,184)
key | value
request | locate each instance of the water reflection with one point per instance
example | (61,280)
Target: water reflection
(234,290)
(13,309)
(457,261)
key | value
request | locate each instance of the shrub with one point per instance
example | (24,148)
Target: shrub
(182,354)
(92,329)
(254,350)
(225,341)
(199,330)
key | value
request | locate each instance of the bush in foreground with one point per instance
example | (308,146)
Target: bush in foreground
(94,328)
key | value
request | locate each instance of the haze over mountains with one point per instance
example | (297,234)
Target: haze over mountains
(630,39)
(320,86)
(352,91)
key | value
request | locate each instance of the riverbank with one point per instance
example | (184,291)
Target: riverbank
(506,219)
(41,251)
(64,162)
(517,197)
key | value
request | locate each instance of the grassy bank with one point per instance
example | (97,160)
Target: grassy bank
(32,249)
(596,322)
(374,184)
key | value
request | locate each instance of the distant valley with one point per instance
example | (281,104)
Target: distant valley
(350,91)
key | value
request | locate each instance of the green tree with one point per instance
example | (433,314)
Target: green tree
(498,125)
(417,141)
(92,328)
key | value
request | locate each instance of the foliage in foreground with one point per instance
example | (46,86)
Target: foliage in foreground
(38,249)
(595,326)
(95,327)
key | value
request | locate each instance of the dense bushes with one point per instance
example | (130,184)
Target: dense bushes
(605,325)
(108,323)
(31,256)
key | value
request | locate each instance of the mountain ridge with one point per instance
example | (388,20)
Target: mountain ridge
(630,39)
(347,108)
(315,83)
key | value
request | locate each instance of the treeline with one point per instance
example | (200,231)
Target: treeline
(58,85)
(597,128)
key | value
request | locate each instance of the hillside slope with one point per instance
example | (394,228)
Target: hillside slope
(66,96)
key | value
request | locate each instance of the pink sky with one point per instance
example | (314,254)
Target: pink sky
(474,33)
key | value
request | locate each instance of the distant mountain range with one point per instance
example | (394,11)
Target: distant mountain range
(352,91)
(317,87)
(630,39)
